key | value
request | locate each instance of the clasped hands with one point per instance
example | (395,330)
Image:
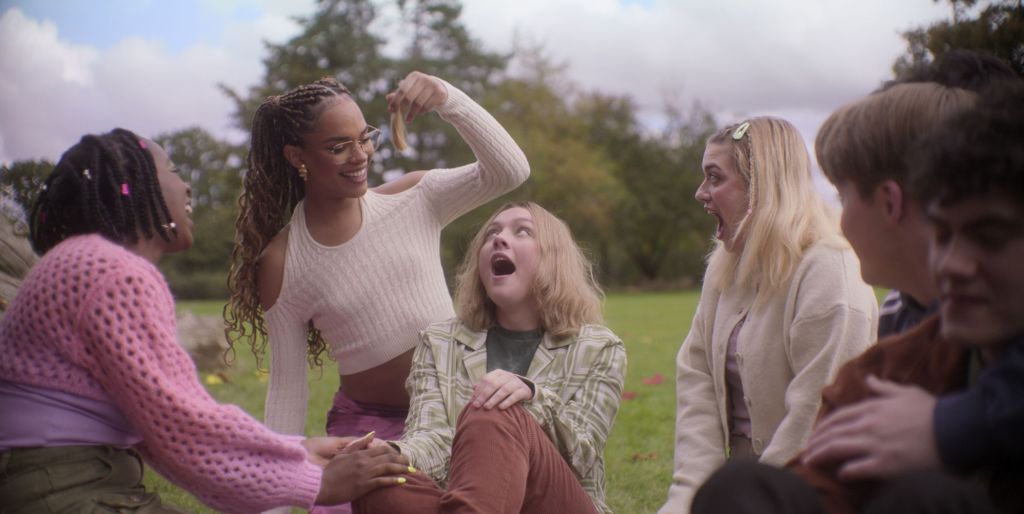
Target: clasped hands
(354,466)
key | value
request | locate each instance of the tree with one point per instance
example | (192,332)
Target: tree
(568,176)
(213,170)
(340,40)
(658,227)
(21,181)
(998,30)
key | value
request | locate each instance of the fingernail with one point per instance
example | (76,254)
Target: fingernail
(401,480)
(412,469)
(371,433)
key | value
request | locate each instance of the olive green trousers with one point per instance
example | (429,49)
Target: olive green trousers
(75,479)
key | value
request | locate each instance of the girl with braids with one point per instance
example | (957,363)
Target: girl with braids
(323,263)
(97,378)
(782,307)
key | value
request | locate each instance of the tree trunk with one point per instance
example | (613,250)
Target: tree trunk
(16,258)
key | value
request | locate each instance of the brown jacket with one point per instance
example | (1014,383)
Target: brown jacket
(916,357)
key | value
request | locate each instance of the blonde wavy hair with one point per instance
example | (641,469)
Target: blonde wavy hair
(786,214)
(564,286)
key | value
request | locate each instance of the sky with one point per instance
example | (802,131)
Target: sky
(70,67)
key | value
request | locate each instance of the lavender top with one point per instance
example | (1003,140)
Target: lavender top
(48,417)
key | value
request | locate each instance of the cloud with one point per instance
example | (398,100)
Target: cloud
(793,58)
(53,91)
(733,54)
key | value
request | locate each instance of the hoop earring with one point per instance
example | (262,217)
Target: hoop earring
(303,172)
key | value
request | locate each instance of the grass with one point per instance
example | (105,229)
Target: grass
(638,458)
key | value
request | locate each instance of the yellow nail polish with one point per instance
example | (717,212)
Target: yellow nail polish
(412,469)
(401,480)
(370,434)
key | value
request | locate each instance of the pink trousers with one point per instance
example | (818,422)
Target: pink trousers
(348,417)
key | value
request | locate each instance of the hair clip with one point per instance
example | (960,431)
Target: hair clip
(741,130)
(142,144)
(87,174)
(124,189)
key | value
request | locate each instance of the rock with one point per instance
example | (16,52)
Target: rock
(203,338)
(16,257)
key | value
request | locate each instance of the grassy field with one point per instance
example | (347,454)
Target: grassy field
(638,457)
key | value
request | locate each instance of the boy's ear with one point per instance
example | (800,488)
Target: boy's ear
(293,154)
(892,196)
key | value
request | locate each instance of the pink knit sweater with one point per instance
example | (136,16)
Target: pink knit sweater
(96,320)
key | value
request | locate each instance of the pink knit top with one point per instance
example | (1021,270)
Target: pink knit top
(94,319)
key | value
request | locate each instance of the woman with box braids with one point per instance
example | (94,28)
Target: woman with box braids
(322,262)
(268,199)
(93,368)
(104,184)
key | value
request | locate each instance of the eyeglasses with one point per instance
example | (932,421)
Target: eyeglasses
(367,143)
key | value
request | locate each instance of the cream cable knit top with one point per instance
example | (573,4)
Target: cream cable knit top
(371,295)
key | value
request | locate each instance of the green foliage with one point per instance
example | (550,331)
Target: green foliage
(661,230)
(339,40)
(998,30)
(626,191)
(627,194)
(21,181)
(213,170)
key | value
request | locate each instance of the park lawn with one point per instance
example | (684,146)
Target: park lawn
(638,457)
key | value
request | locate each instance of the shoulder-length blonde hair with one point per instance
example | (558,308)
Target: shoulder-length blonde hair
(786,214)
(564,286)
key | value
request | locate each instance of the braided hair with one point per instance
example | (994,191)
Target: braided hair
(271,188)
(104,184)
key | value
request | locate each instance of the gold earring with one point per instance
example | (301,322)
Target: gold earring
(303,172)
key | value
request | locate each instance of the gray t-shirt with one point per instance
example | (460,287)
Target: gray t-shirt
(511,350)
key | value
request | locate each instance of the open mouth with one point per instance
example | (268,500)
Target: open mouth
(501,266)
(720,228)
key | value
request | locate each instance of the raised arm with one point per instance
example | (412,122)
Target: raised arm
(500,166)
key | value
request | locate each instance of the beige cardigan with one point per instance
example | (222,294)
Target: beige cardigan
(789,349)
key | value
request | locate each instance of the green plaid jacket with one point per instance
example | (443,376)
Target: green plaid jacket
(578,382)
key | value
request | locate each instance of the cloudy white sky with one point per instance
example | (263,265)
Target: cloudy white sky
(69,67)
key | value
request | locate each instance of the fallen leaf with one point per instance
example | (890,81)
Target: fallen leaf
(654,380)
